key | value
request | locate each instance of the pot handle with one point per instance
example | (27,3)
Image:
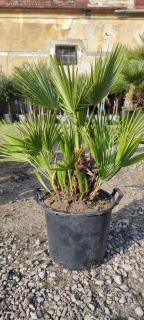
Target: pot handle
(38,195)
(119,197)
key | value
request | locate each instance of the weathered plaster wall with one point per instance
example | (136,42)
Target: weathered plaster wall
(58,3)
(108,2)
(33,35)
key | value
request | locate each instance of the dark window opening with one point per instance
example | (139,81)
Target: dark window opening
(66,54)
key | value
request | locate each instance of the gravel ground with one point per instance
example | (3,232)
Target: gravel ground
(33,287)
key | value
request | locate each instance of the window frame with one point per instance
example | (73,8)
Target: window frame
(60,57)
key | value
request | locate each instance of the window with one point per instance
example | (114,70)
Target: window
(66,54)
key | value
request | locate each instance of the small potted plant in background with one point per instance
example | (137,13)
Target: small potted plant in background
(8,94)
(21,115)
(130,84)
(72,159)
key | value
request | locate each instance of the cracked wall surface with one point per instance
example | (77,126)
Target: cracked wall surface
(32,36)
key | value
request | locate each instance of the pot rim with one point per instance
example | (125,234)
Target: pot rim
(114,202)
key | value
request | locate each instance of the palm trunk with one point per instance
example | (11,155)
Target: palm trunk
(9,108)
(129,98)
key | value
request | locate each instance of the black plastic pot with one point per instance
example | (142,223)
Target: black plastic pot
(9,118)
(21,117)
(132,111)
(78,241)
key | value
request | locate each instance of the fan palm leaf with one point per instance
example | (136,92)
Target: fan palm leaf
(114,147)
(105,72)
(72,87)
(35,84)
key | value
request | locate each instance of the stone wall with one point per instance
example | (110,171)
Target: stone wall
(107,3)
(32,35)
(60,3)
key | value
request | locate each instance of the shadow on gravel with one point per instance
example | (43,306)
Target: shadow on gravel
(120,318)
(126,229)
(17,182)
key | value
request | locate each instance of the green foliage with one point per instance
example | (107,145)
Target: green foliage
(63,87)
(105,72)
(34,83)
(78,155)
(50,148)
(8,91)
(71,87)
(113,146)
(132,75)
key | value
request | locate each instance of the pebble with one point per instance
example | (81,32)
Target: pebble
(87,317)
(56,298)
(93,273)
(25,303)
(87,300)
(127,267)
(75,277)
(74,287)
(124,287)
(51,311)
(52,274)
(42,275)
(39,314)
(40,300)
(31,307)
(31,284)
(99,282)
(58,313)
(73,299)
(33,316)
(122,300)
(139,312)
(92,307)
(107,312)
(108,282)
(37,242)
(118,279)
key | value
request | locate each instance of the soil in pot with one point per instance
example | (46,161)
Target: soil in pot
(73,204)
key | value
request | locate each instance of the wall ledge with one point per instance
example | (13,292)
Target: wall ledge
(130,11)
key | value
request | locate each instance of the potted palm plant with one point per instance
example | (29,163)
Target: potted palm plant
(131,81)
(72,159)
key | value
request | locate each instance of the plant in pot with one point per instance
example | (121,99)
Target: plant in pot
(131,81)
(8,94)
(72,159)
(20,110)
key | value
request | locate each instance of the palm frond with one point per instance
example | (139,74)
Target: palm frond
(71,86)
(104,74)
(114,147)
(35,84)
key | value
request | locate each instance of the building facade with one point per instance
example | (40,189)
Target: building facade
(75,30)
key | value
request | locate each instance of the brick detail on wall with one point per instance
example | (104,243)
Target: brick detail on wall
(139,3)
(73,4)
